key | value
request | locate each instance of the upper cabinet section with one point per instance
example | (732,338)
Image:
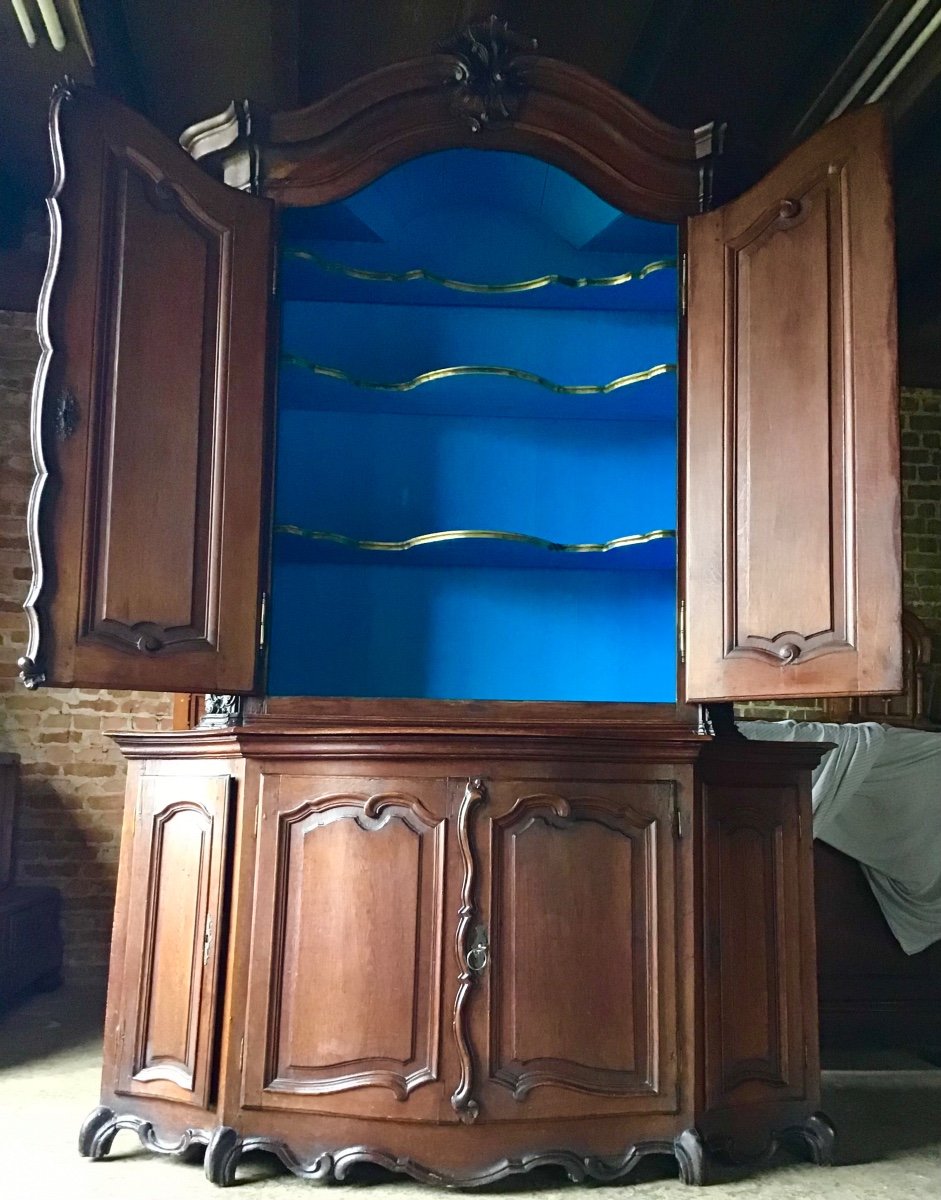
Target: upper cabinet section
(148,415)
(489,90)
(792,462)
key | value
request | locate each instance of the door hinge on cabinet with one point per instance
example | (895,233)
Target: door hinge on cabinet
(681,632)
(684,283)
(274,275)
(679,822)
(263,621)
(207,940)
(241,1053)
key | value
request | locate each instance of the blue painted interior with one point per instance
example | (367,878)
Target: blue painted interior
(475,619)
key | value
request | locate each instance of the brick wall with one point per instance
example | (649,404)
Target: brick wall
(921,540)
(69,815)
(73,777)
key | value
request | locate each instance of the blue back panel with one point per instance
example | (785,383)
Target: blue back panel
(474,619)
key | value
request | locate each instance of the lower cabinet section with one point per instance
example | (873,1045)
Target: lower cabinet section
(167,990)
(461,955)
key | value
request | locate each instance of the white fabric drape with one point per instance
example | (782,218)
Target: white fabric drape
(877,797)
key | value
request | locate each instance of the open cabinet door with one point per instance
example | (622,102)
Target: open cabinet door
(148,415)
(791,481)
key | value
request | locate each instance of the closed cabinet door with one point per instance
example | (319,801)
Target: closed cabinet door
(345,1010)
(791,478)
(757,922)
(568,947)
(171,971)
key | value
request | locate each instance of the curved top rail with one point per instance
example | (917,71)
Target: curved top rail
(507,99)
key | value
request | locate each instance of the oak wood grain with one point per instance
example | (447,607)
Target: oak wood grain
(791,485)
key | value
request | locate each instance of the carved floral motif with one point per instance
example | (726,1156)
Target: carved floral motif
(489,80)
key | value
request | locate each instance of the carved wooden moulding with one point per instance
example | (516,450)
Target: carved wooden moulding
(487,88)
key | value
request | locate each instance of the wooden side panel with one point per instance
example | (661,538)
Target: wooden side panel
(347,946)
(792,466)
(753,945)
(581,915)
(148,415)
(173,929)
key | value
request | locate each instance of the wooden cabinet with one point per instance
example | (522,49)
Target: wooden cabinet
(174,916)
(150,516)
(580,900)
(477,922)
(597,949)
(348,861)
(793,540)
(145,517)
(757,896)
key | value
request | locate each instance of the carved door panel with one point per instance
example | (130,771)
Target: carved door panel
(171,969)
(575,1011)
(148,415)
(792,531)
(753,907)
(345,1003)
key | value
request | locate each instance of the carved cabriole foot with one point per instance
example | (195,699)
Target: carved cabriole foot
(101,1125)
(222,1156)
(692,1158)
(817,1136)
(97,1133)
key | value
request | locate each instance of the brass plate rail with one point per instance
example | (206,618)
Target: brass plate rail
(489,289)
(496,535)
(408,385)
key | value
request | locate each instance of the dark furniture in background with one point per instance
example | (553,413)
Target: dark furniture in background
(30,939)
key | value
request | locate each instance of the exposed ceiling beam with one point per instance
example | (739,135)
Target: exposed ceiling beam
(893,60)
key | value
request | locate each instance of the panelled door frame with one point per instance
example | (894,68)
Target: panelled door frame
(296,802)
(170,986)
(791,525)
(149,414)
(639,803)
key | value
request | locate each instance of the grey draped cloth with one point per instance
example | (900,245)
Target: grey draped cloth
(877,797)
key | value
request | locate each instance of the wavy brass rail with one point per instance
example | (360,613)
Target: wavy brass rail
(497,535)
(490,289)
(408,385)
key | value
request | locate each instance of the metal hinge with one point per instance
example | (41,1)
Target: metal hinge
(241,1053)
(207,939)
(263,621)
(681,632)
(679,822)
(274,275)
(684,283)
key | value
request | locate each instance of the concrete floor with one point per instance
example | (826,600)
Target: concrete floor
(889,1122)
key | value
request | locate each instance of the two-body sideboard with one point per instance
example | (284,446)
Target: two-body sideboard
(449,438)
